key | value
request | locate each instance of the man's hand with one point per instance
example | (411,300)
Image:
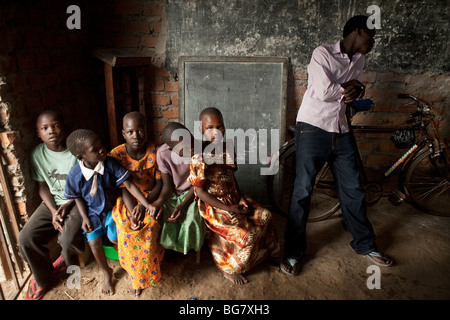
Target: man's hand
(353,89)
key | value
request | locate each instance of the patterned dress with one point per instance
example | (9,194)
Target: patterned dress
(237,242)
(140,253)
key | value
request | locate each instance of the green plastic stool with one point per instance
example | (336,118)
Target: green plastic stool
(110,252)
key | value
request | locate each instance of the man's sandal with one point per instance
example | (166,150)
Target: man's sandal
(379,259)
(290,266)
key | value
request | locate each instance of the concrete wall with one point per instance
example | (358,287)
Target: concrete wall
(413,37)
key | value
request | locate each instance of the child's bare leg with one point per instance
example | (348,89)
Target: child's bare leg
(115,244)
(99,255)
(235,278)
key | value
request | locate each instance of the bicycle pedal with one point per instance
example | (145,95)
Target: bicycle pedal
(397,197)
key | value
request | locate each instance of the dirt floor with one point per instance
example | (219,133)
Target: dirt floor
(419,243)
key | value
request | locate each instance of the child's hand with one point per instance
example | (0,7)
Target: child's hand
(57,220)
(151,210)
(138,212)
(243,203)
(157,209)
(86,225)
(176,214)
(136,225)
(60,215)
(62,212)
(137,217)
(154,211)
(238,208)
(65,208)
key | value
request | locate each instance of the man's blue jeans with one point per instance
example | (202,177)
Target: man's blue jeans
(314,147)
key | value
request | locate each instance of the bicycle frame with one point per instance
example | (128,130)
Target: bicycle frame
(371,129)
(404,159)
(408,154)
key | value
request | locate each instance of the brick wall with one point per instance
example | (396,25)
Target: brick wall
(140,25)
(43,65)
(162,97)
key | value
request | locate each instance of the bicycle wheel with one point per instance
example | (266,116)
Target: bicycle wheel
(426,183)
(281,185)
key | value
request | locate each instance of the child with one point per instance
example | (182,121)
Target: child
(183,228)
(50,164)
(140,254)
(93,183)
(242,234)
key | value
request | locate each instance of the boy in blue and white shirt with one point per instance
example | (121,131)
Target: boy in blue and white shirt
(94,184)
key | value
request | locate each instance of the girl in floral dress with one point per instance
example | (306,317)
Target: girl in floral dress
(140,253)
(242,233)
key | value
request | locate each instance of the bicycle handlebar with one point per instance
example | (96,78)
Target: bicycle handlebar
(421,106)
(407,96)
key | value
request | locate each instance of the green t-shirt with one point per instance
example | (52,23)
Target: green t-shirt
(52,167)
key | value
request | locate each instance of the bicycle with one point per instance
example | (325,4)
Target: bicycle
(424,178)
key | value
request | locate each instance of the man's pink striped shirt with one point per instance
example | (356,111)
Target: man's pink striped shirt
(323,105)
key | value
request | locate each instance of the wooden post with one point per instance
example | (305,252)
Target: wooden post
(129,61)
(111,106)
(6,258)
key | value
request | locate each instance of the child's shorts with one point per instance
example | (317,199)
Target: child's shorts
(108,227)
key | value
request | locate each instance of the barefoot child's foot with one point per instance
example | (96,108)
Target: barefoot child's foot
(235,278)
(107,287)
(135,292)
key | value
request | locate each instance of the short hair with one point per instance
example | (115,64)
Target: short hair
(211,111)
(166,135)
(53,113)
(75,141)
(136,115)
(356,22)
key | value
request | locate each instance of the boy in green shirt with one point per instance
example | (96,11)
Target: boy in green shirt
(55,216)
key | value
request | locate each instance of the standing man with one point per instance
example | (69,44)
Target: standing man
(322,135)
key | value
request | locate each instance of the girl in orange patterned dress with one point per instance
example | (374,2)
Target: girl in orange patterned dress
(242,233)
(140,253)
